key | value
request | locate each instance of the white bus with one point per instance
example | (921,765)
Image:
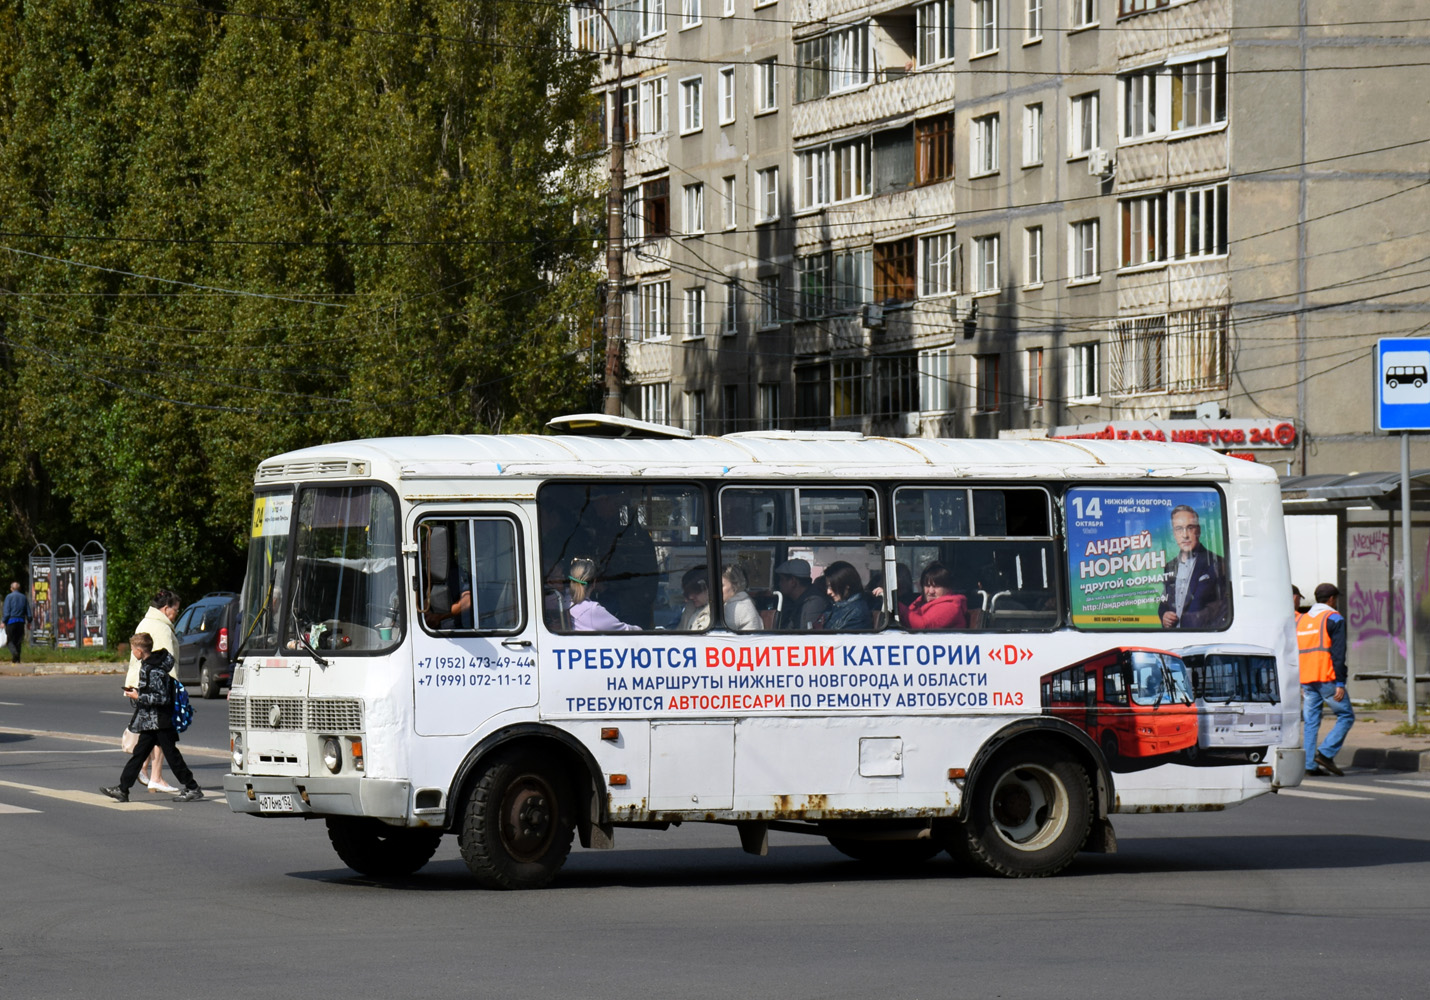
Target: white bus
(520,639)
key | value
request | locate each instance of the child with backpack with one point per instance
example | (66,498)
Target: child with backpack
(154,721)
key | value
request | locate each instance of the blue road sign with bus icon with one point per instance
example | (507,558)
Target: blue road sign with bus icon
(1403,385)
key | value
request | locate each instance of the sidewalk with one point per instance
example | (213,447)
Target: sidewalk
(27,668)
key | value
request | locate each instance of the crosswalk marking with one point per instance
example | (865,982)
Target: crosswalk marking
(1371,789)
(1299,793)
(83,798)
(15,810)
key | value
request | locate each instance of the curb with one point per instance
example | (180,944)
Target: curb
(51,669)
(1391,760)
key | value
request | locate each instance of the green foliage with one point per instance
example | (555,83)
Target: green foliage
(233,235)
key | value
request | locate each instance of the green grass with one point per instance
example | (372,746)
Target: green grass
(1406,729)
(43,654)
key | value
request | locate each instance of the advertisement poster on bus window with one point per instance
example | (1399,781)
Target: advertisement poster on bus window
(1147,558)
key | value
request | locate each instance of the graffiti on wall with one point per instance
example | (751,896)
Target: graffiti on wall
(1375,604)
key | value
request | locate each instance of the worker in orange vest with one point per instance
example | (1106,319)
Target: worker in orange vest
(1321,639)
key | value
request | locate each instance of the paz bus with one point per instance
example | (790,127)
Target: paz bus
(521,640)
(1238,698)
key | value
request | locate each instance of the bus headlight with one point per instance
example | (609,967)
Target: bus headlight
(332,755)
(235,747)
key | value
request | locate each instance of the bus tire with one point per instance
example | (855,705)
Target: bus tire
(519,821)
(1030,813)
(887,853)
(371,847)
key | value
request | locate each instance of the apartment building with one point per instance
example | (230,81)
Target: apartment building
(1187,219)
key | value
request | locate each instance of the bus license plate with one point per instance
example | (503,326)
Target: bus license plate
(276,804)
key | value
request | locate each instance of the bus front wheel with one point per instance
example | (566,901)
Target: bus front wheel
(519,822)
(1029,815)
(371,847)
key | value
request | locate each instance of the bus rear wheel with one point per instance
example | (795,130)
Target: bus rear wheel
(519,822)
(887,853)
(1029,815)
(371,847)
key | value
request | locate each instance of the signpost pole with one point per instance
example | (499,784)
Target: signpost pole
(1408,615)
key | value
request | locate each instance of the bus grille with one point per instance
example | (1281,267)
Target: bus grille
(323,715)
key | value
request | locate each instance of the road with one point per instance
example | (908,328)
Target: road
(1317,892)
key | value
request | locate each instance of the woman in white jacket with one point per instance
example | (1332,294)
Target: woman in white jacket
(740,612)
(158,621)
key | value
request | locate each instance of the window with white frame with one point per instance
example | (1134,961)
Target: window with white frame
(653,113)
(728,10)
(934,32)
(588,30)
(1082,250)
(692,104)
(766,86)
(727,94)
(632,201)
(1033,256)
(985,264)
(1032,134)
(652,18)
(1199,217)
(767,194)
(631,314)
(1141,92)
(768,417)
(655,403)
(1139,355)
(690,13)
(936,259)
(1199,93)
(936,380)
(853,278)
(654,311)
(1084,13)
(813,167)
(985,383)
(848,58)
(730,316)
(695,312)
(1082,124)
(694,209)
(727,202)
(1033,23)
(852,169)
(812,273)
(1082,371)
(1143,236)
(770,312)
(983,146)
(985,27)
(630,105)
(1033,378)
(695,411)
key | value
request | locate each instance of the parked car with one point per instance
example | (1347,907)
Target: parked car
(208,636)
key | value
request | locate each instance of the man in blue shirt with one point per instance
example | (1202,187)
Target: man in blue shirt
(16,612)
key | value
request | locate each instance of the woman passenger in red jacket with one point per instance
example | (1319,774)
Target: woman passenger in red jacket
(939,607)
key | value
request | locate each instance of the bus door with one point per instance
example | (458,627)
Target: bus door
(474,635)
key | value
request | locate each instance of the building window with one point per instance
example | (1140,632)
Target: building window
(1139,103)
(766,86)
(1199,215)
(936,380)
(832,174)
(811,396)
(849,384)
(813,275)
(695,312)
(690,13)
(896,384)
(983,149)
(1138,355)
(727,198)
(655,208)
(813,167)
(653,120)
(630,113)
(631,314)
(934,39)
(853,278)
(832,63)
(894,271)
(1143,236)
(1033,256)
(655,403)
(728,10)
(1199,93)
(770,311)
(730,407)
(654,311)
(985,264)
(1082,372)
(588,31)
(985,382)
(691,104)
(1033,25)
(1084,13)
(1082,250)
(695,411)
(1197,353)
(633,212)
(652,13)
(730,318)
(1032,134)
(727,94)
(937,257)
(1033,378)
(985,27)
(933,144)
(694,209)
(1126,8)
(1082,124)
(767,194)
(768,417)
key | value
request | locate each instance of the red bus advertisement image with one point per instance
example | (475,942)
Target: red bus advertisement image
(1134,703)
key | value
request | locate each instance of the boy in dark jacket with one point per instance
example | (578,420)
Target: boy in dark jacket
(154,722)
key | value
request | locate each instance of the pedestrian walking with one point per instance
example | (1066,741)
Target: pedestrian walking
(154,722)
(1321,639)
(16,612)
(158,623)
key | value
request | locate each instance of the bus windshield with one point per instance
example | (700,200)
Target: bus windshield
(1159,679)
(267,560)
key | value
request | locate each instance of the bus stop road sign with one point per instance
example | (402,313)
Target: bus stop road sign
(1403,384)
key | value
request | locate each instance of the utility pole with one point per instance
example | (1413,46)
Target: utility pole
(615,231)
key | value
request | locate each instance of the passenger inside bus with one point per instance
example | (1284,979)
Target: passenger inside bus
(555,601)
(695,585)
(848,610)
(938,607)
(586,614)
(801,602)
(741,615)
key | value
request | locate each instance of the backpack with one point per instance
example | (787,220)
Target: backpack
(183,711)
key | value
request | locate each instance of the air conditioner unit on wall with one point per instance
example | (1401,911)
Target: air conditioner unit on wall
(1099,162)
(871,316)
(962,305)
